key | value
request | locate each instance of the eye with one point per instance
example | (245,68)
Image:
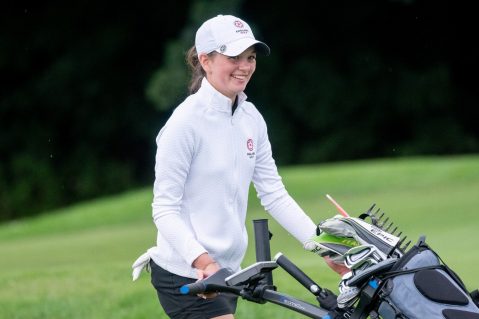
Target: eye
(234,58)
(252,58)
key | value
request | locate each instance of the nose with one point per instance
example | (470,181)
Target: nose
(245,64)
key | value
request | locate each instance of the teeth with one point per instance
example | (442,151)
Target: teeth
(239,77)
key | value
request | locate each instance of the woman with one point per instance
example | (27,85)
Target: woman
(212,147)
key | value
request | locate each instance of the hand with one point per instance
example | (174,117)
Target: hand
(205,273)
(339,268)
(205,267)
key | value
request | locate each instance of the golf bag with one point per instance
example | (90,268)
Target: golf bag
(386,280)
(418,286)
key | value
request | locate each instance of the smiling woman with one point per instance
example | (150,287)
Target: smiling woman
(229,75)
(237,45)
(210,150)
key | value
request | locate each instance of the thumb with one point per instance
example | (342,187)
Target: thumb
(200,274)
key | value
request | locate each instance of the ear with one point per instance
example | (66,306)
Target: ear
(205,61)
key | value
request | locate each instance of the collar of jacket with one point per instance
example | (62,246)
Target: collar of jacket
(216,100)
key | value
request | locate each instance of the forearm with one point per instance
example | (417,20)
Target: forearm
(179,236)
(289,215)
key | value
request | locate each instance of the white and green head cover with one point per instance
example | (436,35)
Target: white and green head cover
(339,234)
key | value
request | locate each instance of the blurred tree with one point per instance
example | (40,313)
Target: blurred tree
(168,86)
(365,79)
(74,120)
(87,86)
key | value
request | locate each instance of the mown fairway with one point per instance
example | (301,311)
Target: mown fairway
(75,263)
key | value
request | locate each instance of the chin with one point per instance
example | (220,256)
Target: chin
(240,88)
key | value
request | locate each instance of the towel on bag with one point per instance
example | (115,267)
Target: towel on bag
(142,262)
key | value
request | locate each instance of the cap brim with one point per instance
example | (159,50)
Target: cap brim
(237,47)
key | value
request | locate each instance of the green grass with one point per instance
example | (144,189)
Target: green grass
(75,262)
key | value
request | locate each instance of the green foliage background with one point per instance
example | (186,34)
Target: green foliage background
(86,87)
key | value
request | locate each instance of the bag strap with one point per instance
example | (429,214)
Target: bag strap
(395,273)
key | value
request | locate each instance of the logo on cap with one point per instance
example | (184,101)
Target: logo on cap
(222,48)
(238,24)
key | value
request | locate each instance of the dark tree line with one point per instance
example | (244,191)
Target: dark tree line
(86,87)
(74,120)
(362,79)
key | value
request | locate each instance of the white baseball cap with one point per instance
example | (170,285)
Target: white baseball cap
(227,35)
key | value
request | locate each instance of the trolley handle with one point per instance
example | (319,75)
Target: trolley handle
(326,298)
(213,283)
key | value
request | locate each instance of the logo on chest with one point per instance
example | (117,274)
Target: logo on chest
(250,146)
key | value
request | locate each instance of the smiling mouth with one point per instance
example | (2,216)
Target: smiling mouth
(240,77)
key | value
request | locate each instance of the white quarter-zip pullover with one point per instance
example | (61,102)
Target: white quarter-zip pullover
(206,159)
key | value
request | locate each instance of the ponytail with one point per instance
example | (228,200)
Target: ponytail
(197,72)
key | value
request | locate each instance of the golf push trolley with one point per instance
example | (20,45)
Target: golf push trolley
(380,266)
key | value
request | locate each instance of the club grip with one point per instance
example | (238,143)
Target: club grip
(193,289)
(297,273)
(213,283)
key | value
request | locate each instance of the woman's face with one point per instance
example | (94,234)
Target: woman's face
(229,75)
